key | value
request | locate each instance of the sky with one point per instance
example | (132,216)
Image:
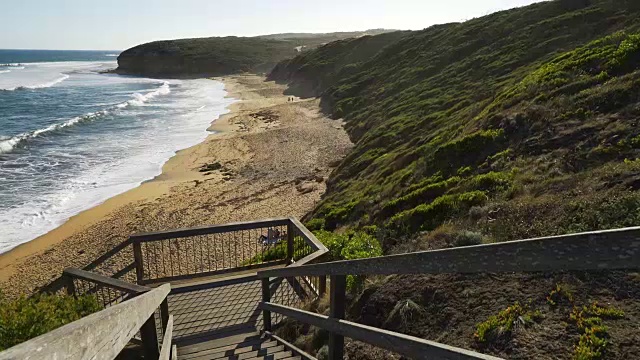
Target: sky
(120,24)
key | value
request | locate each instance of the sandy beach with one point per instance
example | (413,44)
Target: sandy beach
(268,157)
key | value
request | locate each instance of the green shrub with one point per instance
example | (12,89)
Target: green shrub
(25,318)
(350,246)
(594,337)
(467,238)
(429,216)
(500,325)
(315,224)
(560,294)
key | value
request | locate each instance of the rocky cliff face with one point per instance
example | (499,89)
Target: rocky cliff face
(203,57)
(217,56)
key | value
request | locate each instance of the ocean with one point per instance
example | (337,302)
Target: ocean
(72,137)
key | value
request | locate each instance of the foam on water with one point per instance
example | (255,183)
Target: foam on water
(56,171)
(9,144)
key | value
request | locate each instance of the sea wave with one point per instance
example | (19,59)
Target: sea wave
(4,71)
(8,144)
(111,55)
(140,99)
(11,65)
(39,86)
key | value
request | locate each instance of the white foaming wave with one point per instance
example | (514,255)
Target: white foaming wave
(140,99)
(112,55)
(39,86)
(4,71)
(142,160)
(12,65)
(9,144)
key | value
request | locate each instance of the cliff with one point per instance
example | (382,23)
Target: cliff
(217,56)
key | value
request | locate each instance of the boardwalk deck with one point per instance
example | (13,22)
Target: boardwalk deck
(219,317)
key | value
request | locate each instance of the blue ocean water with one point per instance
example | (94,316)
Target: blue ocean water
(72,137)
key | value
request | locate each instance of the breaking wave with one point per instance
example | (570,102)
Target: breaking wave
(8,144)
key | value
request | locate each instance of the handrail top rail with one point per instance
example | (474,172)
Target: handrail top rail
(207,230)
(100,335)
(403,344)
(594,250)
(105,280)
(309,235)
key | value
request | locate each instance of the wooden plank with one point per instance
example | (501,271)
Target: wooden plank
(165,350)
(402,344)
(232,280)
(174,353)
(308,235)
(212,273)
(313,257)
(599,250)
(99,336)
(137,259)
(291,347)
(105,281)
(266,297)
(207,230)
(226,351)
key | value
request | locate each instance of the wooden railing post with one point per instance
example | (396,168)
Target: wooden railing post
(322,285)
(69,284)
(150,338)
(290,237)
(266,297)
(164,313)
(137,256)
(337,292)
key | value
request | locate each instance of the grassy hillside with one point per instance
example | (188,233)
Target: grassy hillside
(220,55)
(486,124)
(519,124)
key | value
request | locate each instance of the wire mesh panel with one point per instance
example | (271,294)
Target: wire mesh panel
(301,244)
(208,253)
(105,295)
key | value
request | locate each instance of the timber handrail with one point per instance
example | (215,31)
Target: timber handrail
(207,230)
(596,250)
(411,346)
(615,249)
(101,335)
(127,287)
(212,250)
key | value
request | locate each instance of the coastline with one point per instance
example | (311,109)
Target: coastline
(274,156)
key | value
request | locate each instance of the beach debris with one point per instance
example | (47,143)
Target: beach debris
(267,116)
(207,168)
(306,188)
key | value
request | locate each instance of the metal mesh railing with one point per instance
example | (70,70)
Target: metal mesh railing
(226,248)
(105,295)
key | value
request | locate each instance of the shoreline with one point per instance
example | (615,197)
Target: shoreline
(93,214)
(266,146)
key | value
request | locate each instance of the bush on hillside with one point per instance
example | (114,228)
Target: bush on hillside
(25,318)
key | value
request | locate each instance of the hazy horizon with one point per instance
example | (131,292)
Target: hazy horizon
(119,24)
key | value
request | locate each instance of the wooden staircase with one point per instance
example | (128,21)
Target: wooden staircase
(239,347)
(226,300)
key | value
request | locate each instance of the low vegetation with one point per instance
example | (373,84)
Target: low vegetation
(593,334)
(25,318)
(519,124)
(501,325)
